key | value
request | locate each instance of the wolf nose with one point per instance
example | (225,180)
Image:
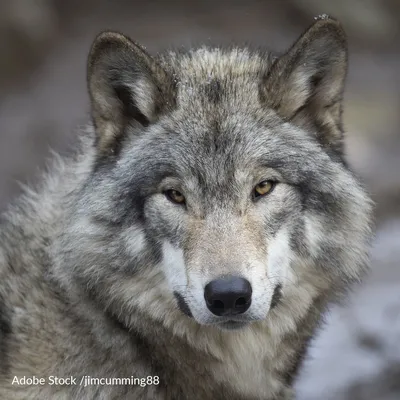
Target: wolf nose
(228,296)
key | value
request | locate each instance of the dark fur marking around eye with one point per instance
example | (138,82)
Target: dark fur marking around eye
(318,201)
(183,306)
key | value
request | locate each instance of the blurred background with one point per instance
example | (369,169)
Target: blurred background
(43,101)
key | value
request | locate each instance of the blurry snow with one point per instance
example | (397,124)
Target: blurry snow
(360,341)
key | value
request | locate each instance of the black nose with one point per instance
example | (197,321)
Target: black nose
(228,296)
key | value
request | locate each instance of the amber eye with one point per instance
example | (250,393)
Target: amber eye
(175,196)
(263,188)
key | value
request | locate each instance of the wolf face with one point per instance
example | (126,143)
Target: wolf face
(218,187)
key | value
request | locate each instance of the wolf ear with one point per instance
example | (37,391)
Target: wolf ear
(126,87)
(305,85)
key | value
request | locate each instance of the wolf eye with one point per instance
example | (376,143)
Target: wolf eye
(175,196)
(263,188)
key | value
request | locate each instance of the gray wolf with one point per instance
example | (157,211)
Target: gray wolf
(194,240)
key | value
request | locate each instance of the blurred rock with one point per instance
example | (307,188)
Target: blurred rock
(357,354)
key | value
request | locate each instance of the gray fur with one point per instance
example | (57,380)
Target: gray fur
(102,275)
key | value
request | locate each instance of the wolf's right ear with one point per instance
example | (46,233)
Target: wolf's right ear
(305,85)
(126,87)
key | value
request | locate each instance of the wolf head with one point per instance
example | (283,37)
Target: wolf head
(219,188)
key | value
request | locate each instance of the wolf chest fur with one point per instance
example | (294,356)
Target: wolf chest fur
(198,233)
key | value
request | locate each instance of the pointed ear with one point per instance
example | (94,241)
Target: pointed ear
(305,85)
(126,87)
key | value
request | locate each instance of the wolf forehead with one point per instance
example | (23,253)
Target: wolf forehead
(207,77)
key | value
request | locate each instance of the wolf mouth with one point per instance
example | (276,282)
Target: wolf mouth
(235,322)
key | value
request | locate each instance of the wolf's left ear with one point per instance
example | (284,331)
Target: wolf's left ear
(305,85)
(126,87)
